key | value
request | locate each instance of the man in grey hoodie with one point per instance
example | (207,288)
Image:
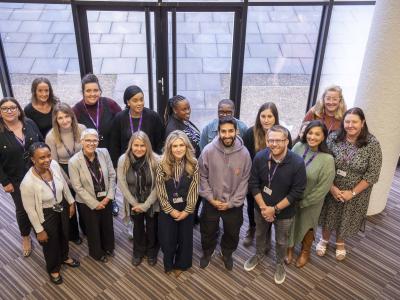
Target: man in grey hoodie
(225,166)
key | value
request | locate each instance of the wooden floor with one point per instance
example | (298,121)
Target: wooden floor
(371,270)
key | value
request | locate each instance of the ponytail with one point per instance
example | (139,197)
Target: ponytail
(171,104)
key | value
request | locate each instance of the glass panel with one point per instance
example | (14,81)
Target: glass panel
(204,55)
(348,35)
(280,49)
(38,41)
(119,53)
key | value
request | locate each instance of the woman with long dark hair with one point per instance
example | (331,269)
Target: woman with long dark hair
(320,169)
(358,160)
(42,103)
(17,133)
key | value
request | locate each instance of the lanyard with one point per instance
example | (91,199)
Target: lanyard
(330,126)
(98,180)
(131,123)
(311,158)
(271,176)
(97,123)
(349,154)
(20,141)
(70,153)
(53,187)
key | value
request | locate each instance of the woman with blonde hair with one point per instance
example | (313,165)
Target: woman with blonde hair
(330,109)
(136,180)
(64,141)
(177,187)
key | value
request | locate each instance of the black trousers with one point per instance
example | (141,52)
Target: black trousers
(232,220)
(176,240)
(73,222)
(56,249)
(250,209)
(145,240)
(24,224)
(99,230)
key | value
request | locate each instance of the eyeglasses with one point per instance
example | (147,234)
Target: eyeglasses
(332,98)
(225,113)
(277,142)
(9,109)
(91,142)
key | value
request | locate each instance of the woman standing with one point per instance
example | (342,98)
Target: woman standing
(329,109)
(358,161)
(41,107)
(135,118)
(92,176)
(48,203)
(64,141)
(98,113)
(17,133)
(136,180)
(320,169)
(177,188)
(254,140)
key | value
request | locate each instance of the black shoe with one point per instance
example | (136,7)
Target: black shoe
(103,259)
(110,253)
(77,241)
(136,261)
(152,261)
(228,262)
(56,280)
(115,208)
(205,261)
(74,264)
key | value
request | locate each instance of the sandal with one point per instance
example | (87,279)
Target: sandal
(26,252)
(340,253)
(321,247)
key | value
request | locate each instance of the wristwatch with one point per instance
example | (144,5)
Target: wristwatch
(353,193)
(277,210)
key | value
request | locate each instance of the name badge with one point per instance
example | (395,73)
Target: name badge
(101,194)
(177,200)
(267,190)
(341,173)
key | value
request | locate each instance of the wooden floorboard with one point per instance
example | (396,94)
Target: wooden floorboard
(371,270)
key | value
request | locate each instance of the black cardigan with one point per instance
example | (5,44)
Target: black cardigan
(43,121)
(121,132)
(14,160)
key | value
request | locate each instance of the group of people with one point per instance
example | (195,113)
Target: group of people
(74,158)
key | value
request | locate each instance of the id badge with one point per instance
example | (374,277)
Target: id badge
(177,200)
(267,190)
(341,173)
(101,194)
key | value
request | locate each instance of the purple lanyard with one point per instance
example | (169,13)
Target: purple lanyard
(53,187)
(348,155)
(330,126)
(311,158)
(131,122)
(271,176)
(96,124)
(177,183)
(20,141)
(69,151)
(98,181)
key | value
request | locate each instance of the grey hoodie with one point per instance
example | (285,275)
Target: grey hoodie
(225,172)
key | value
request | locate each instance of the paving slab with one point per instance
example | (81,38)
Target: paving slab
(5,13)
(296,38)
(15,37)
(9,26)
(62,27)
(302,27)
(185,38)
(26,15)
(44,38)
(223,16)
(136,16)
(66,51)
(19,65)
(197,16)
(203,82)
(134,50)
(34,6)
(204,39)
(93,16)
(214,27)
(224,38)
(264,50)
(12,5)
(283,16)
(118,65)
(97,27)
(57,6)
(258,16)
(35,26)
(309,16)
(56,15)
(106,50)
(73,66)
(125,80)
(108,38)
(49,66)
(138,38)
(196,98)
(189,65)
(39,50)
(201,50)
(270,27)
(188,27)
(256,65)
(272,38)
(113,16)
(285,65)
(217,65)
(125,27)
(307,64)
(296,50)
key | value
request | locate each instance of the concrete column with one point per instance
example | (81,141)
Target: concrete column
(378,93)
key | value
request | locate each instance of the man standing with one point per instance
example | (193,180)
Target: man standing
(226,108)
(225,166)
(277,181)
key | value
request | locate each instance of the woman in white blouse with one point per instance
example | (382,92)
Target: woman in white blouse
(48,202)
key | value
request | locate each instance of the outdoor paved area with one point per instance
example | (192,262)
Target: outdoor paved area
(280,47)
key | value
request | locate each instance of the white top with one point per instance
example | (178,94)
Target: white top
(36,195)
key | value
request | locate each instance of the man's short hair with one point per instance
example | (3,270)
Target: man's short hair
(279,128)
(227,120)
(226,102)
